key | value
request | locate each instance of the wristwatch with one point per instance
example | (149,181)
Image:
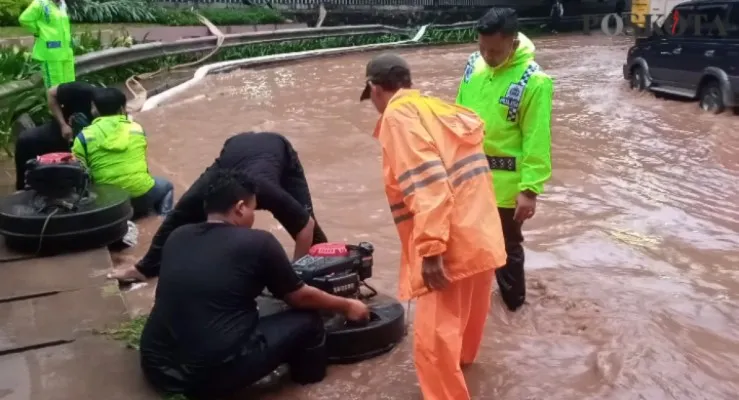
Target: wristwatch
(529,194)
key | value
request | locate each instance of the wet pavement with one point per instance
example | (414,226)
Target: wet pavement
(52,313)
(633,291)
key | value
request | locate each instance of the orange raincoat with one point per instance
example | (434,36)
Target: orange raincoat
(440,190)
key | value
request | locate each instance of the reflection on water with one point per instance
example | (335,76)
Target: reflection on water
(633,292)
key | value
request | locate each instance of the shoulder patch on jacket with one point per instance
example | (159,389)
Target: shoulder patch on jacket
(470,67)
(514,94)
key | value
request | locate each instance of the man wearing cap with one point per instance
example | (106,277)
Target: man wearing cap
(505,86)
(441,196)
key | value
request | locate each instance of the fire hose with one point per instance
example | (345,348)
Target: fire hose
(138,91)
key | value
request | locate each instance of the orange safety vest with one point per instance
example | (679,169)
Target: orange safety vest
(439,187)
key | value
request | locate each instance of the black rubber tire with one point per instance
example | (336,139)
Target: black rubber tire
(102,221)
(638,79)
(710,98)
(347,343)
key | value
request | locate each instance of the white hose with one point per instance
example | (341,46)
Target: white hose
(321,15)
(134,85)
(203,71)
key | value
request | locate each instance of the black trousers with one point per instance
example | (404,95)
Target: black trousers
(295,183)
(31,143)
(296,338)
(511,279)
(554,23)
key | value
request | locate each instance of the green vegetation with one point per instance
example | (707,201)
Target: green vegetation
(218,16)
(144,11)
(129,332)
(16,68)
(450,36)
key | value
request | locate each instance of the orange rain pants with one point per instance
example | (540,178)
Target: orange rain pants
(440,191)
(450,323)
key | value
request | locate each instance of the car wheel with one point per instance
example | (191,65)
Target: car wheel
(348,342)
(638,79)
(711,99)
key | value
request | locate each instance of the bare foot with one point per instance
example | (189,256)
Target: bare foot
(127,274)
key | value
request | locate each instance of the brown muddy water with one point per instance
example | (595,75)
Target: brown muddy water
(631,259)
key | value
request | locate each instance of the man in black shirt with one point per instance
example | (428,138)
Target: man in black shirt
(204,336)
(67,102)
(271,162)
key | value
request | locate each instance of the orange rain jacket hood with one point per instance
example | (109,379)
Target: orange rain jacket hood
(440,189)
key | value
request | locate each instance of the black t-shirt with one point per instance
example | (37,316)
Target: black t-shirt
(268,158)
(205,311)
(75,97)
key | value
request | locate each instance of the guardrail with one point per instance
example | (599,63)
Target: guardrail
(119,56)
(380,3)
(226,66)
(116,57)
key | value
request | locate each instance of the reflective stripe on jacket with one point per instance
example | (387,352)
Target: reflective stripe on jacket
(49,23)
(515,101)
(114,151)
(439,187)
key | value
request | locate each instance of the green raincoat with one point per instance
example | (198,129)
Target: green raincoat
(49,24)
(114,151)
(515,101)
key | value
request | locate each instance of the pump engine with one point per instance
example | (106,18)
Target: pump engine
(337,268)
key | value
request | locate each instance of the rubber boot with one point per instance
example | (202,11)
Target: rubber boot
(512,286)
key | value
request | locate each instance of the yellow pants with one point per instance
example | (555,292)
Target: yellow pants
(447,332)
(57,72)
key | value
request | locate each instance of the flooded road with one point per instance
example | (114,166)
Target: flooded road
(632,257)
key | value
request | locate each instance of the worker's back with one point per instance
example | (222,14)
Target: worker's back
(263,156)
(475,241)
(113,149)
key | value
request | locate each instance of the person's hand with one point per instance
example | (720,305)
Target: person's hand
(432,271)
(525,207)
(357,311)
(67,132)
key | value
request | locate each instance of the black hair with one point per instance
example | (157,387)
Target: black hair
(108,101)
(225,189)
(397,78)
(498,20)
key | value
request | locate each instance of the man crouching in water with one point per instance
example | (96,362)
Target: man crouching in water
(439,187)
(204,337)
(270,161)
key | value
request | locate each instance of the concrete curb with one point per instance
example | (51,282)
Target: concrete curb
(225,66)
